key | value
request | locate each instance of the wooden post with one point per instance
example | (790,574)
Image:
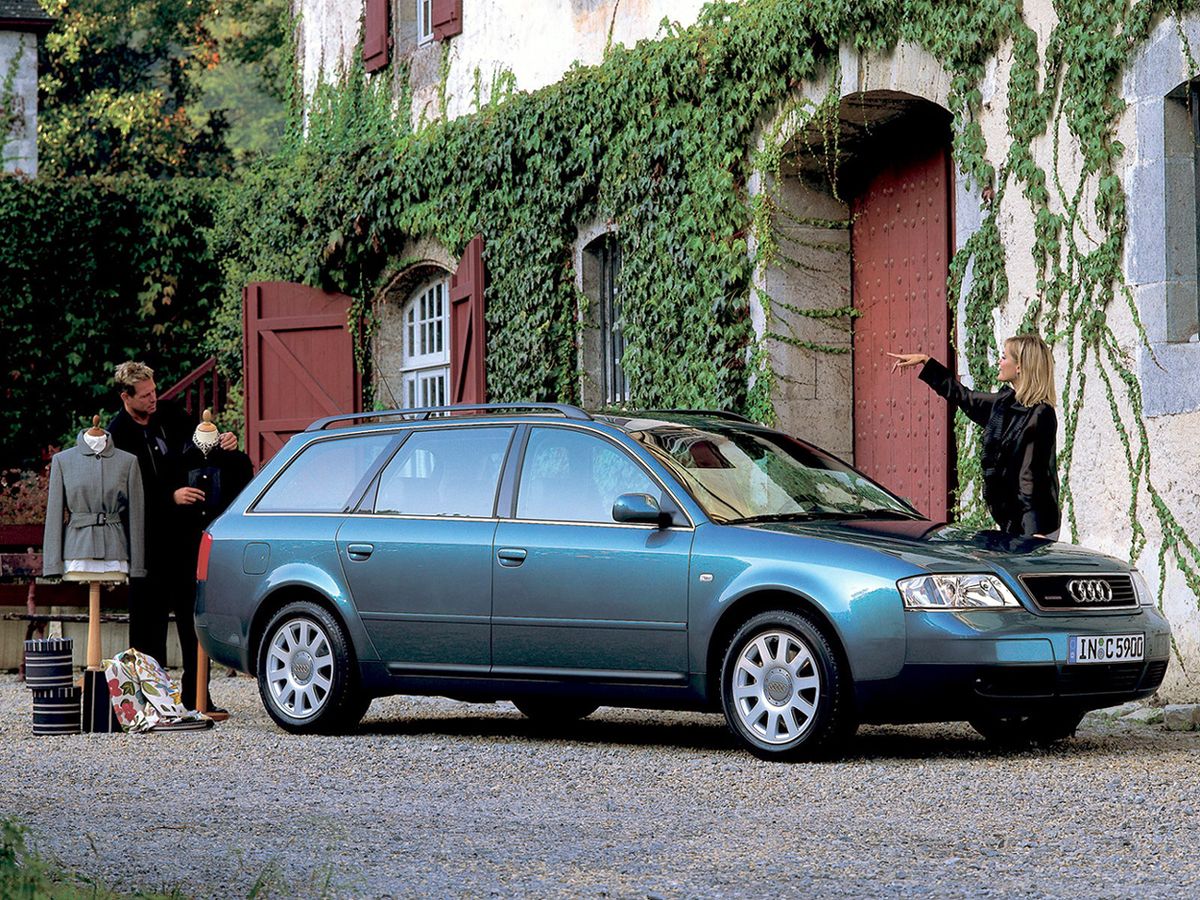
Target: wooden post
(201,679)
(93,643)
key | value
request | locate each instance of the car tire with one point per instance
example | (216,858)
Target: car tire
(784,690)
(551,710)
(1033,730)
(306,673)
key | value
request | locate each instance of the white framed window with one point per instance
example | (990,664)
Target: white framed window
(425,360)
(424,22)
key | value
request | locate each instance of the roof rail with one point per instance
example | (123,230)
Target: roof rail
(424,412)
(715,413)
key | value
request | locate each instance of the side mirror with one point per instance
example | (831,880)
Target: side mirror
(640,509)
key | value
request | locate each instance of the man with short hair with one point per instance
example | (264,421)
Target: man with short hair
(157,433)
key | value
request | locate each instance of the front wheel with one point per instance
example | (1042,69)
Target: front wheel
(306,674)
(784,689)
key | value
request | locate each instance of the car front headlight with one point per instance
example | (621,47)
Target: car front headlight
(956,592)
(1141,589)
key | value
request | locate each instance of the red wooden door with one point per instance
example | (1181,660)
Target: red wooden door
(299,362)
(468,381)
(900,244)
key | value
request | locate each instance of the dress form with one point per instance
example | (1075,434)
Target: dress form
(205,439)
(101,537)
(94,575)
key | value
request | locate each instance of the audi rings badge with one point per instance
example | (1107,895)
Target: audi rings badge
(1090,590)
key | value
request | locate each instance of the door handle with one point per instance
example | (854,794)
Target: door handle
(511,556)
(360,551)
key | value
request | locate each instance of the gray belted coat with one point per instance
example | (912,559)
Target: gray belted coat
(103,495)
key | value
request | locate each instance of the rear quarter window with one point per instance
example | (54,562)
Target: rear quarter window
(324,475)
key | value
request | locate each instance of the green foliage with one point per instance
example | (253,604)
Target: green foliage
(25,875)
(249,83)
(97,270)
(285,215)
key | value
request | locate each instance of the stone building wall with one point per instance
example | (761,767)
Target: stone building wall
(20,143)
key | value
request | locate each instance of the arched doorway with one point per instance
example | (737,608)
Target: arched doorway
(864,222)
(900,247)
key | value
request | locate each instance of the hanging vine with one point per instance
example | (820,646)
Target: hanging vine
(12,112)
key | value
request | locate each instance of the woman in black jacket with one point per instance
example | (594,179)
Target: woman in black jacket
(1020,473)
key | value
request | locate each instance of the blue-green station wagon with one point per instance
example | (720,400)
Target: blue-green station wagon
(675,560)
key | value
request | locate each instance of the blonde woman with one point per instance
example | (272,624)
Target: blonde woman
(1020,474)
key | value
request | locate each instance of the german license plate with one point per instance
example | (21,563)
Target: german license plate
(1105,648)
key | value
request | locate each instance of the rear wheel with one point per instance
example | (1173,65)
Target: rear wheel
(1034,729)
(306,675)
(552,710)
(783,688)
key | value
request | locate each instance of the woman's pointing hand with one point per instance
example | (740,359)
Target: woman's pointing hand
(908,360)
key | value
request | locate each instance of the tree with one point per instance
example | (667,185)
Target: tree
(119,76)
(251,84)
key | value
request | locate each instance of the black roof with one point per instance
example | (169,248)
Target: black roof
(23,15)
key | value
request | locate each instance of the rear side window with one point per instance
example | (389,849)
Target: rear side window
(445,472)
(324,475)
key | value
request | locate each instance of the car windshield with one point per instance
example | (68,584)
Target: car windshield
(748,474)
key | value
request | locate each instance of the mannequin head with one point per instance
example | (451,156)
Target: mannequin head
(96,437)
(139,394)
(206,437)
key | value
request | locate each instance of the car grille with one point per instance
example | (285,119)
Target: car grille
(1101,679)
(1047,681)
(1155,672)
(1081,593)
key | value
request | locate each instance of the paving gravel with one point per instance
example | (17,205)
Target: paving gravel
(439,798)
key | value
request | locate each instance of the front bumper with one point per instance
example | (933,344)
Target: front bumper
(959,664)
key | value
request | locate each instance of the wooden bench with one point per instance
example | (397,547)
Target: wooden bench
(22,585)
(123,618)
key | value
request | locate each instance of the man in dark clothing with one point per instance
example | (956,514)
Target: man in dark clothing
(157,434)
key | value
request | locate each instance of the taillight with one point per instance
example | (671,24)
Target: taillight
(202,559)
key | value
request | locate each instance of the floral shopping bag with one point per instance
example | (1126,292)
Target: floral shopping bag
(144,697)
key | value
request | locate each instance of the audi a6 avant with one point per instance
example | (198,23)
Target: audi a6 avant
(684,560)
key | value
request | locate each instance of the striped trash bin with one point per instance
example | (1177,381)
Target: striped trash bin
(48,663)
(56,710)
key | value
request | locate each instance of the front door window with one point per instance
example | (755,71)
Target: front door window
(568,476)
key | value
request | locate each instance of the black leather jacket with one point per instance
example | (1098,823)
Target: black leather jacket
(1020,452)
(157,446)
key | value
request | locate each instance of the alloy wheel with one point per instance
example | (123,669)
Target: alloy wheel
(776,687)
(299,668)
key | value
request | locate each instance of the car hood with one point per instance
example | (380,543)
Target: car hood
(941,547)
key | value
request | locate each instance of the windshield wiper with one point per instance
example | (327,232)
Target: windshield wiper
(771,517)
(824,514)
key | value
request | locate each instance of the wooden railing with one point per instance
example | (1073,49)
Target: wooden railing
(200,389)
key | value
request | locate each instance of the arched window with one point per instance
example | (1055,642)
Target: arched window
(425,358)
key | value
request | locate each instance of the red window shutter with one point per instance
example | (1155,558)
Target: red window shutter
(468,383)
(377,39)
(446,18)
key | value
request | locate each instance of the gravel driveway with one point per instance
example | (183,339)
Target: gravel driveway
(439,798)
